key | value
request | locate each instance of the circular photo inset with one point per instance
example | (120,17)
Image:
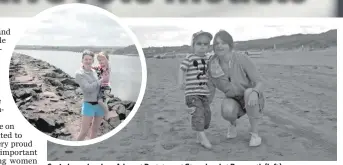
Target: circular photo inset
(77,74)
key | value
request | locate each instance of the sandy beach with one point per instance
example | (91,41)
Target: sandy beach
(299,123)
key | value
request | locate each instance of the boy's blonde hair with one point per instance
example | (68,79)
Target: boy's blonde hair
(103,54)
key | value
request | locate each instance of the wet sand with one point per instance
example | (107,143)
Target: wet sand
(299,123)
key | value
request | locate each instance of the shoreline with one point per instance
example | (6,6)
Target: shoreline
(16,49)
(50,99)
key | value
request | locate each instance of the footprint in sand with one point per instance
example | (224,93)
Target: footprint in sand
(103,147)
(111,152)
(278,153)
(284,134)
(85,151)
(68,151)
(146,149)
(169,146)
(125,143)
(161,118)
(332,119)
(194,151)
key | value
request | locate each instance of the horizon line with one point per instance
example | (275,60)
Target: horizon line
(262,38)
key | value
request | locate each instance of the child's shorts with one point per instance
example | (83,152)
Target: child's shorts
(92,109)
(201,117)
(104,92)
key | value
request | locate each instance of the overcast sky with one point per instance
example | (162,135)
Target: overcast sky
(76,26)
(178,31)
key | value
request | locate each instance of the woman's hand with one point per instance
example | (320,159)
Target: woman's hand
(253,99)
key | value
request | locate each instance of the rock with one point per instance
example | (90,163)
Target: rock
(15,86)
(24,78)
(64,114)
(28,99)
(22,94)
(49,95)
(53,82)
(120,109)
(78,91)
(37,89)
(54,100)
(69,94)
(68,87)
(45,125)
(51,75)
(20,103)
(68,81)
(30,108)
(115,99)
(57,70)
(60,133)
(128,105)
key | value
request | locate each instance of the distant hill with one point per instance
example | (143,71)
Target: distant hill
(109,49)
(316,41)
(322,40)
(126,50)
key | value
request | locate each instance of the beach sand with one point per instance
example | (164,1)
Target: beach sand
(299,123)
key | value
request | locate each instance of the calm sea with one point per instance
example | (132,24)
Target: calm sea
(126,72)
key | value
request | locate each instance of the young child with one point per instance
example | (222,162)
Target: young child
(105,89)
(193,79)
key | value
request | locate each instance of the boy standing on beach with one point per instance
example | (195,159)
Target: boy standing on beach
(193,79)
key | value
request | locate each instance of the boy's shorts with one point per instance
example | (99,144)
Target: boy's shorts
(201,117)
(104,92)
(92,109)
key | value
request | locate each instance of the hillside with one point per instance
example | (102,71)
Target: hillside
(322,40)
(109,49)
(312,41)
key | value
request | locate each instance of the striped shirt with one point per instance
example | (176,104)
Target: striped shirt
(196,78)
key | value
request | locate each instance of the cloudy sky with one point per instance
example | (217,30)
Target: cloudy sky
(178,31)
(76,26)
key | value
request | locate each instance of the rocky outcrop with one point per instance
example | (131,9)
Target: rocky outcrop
(50,99)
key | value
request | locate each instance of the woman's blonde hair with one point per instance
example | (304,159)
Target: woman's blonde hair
(103,54)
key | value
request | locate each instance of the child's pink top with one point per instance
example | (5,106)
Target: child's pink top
(101,72)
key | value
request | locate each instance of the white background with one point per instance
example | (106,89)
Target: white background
(311,8)
(12,115)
